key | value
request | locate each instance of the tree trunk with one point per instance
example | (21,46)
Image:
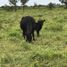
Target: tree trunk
(23,8)
(65,4)
(15,8)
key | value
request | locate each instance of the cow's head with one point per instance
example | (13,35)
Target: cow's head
(41,21)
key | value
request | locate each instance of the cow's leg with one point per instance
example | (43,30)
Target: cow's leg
(30,38)
(38,34)
(33,36)
(24,35)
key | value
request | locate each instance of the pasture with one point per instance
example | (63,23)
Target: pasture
(49,50)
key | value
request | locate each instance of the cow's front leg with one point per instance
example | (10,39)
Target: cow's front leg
(38,34)
(24,35)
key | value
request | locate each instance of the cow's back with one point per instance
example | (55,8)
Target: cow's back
(27,23)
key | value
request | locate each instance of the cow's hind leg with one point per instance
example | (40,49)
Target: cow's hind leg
(38,34)
(33,36)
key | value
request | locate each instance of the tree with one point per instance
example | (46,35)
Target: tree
(50,5)
(35,4)
(24,2)
(14,3)
(64,1)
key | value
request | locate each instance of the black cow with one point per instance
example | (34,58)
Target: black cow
(39,25)
(29,25)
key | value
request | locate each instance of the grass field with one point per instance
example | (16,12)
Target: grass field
(49,50)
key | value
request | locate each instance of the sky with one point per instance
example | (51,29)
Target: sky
(31,2)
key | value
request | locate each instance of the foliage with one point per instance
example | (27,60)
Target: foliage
(24,2)
(64,1)
(14,3)
(50,5)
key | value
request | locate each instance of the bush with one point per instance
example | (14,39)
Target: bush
(50,5)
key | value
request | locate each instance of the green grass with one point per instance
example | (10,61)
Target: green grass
(49,50)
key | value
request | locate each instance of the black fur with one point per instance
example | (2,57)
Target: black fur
(28,25)
(39,25)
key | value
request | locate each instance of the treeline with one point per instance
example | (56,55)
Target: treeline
(14,6)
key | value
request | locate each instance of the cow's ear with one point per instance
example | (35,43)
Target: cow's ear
(43,20)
